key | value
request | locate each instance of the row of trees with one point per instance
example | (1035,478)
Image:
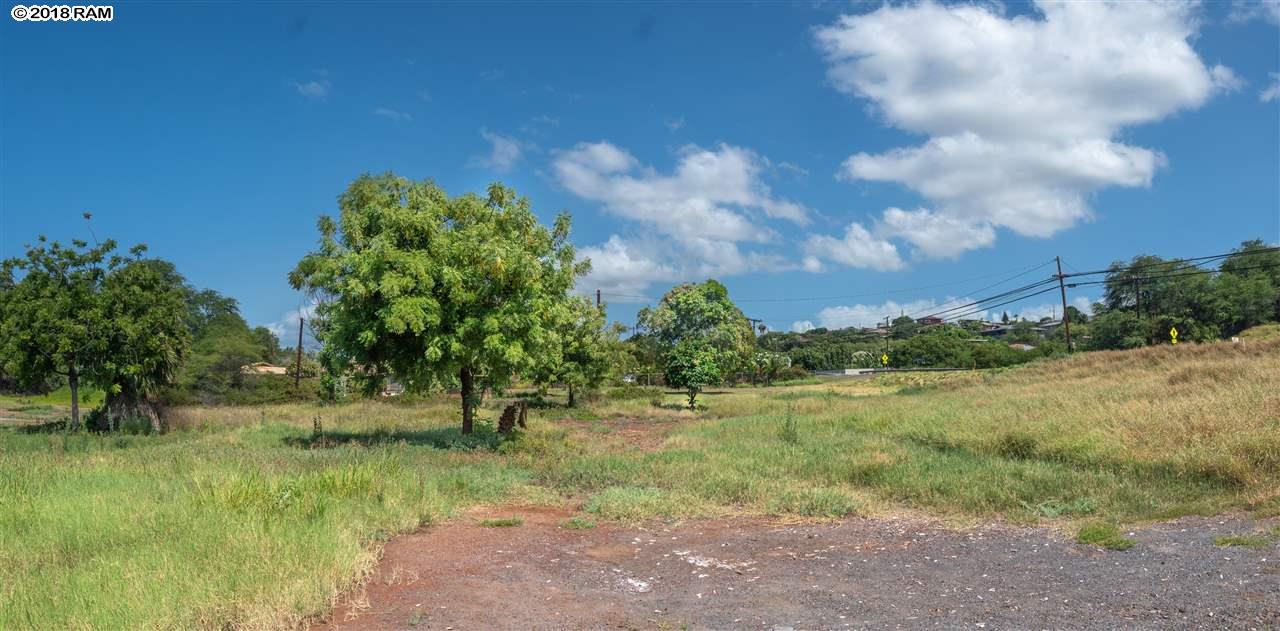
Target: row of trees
(1146,297)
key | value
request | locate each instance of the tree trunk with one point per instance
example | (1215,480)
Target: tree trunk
(572,401)
(693,394)
(120,406)
(468,393)
(73,382)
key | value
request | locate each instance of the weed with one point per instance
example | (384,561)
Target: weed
(789,432)
(1258,540)
(578,523)
(1104,535)
(502,522)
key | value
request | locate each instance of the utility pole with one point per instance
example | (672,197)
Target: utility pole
(1066,318)
(752,322)
(297,367)
(597,299)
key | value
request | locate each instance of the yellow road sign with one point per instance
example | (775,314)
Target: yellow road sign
(884,359)
(1173,334)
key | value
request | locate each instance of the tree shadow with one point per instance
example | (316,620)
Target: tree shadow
(484,438)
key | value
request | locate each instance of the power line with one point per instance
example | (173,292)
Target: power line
(1183,272)
(1207,258)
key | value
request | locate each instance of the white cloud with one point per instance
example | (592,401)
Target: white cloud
(706,196)
(863,315)
(504,152)
(317,89)
(802,326)
(674,124)
(394,115)
(936,234)
(1272,92)
(1246,10)
(1020,111)
(627,267)
(286,328)
(858,248)
(794,169)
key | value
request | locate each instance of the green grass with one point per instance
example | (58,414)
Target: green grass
(243,517)
(578,523)
(1245,541)
(503,522)
(61,397)
(1104,535)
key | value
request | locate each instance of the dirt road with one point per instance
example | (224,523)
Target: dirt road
(858,573)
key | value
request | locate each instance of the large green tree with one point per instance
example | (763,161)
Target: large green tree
(92,317)
(704,318)
(437,290)
(147,341)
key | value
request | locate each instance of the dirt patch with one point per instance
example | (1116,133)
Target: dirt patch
(753,573)
(629,433)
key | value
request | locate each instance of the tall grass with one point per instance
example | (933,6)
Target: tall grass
(250,518)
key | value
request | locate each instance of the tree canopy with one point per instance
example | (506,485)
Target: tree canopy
(437,290)
(91,316)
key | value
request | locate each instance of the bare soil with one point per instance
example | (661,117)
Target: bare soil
(753,573)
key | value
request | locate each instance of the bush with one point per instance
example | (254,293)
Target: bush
(792,373)
(633,392)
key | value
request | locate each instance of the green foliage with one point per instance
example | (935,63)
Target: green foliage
(766,366)
(1245,541)
(1148,296)
(585,350)
(692,366)
(578,523)
(502,522)
(903,327)
(436,290)
(702,315)
(1104,535)
(91,316)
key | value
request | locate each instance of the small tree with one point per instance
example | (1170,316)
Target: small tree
(583,360)
(703,315)
(437,290)
(692,366)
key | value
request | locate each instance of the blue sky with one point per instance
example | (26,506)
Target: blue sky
(820,159)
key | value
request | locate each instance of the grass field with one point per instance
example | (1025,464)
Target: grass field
(245,517)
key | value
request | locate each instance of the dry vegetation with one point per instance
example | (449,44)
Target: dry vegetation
(249,517)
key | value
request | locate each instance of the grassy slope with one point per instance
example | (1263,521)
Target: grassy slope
(232,520)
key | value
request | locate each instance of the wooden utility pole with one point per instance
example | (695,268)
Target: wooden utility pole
(297,367)
(597,299)
(1066,317)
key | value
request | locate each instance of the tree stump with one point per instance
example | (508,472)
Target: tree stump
(514,414)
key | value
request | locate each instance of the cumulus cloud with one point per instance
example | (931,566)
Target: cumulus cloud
(317,89)
(1272,92)
(1020,112)
(864,315)
(504,152)
(694,218)
(708,195)
(627,267)
(858,248)
(802,326)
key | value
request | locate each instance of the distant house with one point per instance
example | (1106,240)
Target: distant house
(929,321)
(263,368)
